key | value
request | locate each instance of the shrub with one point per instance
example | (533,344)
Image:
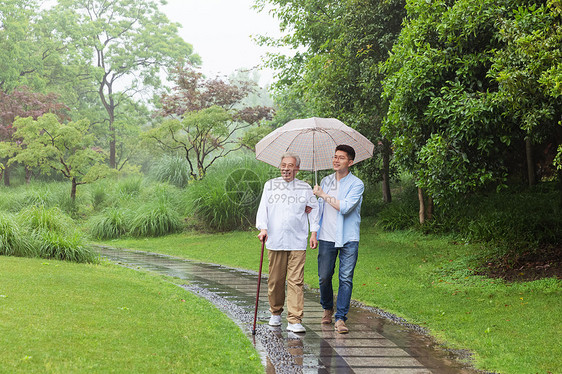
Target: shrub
(41,218)
(112,223)
(65,246)
(228,197)
(54,194)
(100,193)
(399,215)
(128,188)
(53,234)
(171,169)
(156,219)
(14,240)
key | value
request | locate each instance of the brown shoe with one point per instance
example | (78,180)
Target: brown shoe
(327,317)
(340,327)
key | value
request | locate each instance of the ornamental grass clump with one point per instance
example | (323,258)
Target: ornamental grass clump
(14,240)
(50,219)
(65,246)
(229,195)
(129,187)
(110,224)
(54,235)
(156,219)
(171,169)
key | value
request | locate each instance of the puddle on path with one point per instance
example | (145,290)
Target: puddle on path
(375,344)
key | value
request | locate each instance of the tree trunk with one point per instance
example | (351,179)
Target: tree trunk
(560,187)
(112,143)
(28,174)
(429,210)
(73,190)
(7,176)
(386,195)
(530,162)
(422,206)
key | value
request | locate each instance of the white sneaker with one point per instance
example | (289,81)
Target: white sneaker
(295,327)
(275,320)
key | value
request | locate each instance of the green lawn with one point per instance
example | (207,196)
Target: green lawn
(60,317)
(511,328)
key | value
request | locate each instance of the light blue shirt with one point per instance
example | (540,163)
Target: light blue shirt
(350,195)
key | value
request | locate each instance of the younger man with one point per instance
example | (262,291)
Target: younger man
(340,196)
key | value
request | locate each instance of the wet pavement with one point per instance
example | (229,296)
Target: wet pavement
(375,344)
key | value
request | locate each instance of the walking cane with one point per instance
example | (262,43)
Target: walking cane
(258,293)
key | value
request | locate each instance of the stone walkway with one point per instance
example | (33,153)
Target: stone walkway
(374,345)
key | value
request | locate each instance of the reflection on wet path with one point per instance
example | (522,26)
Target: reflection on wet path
(374,344)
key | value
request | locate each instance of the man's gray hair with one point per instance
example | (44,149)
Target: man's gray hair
(293,155)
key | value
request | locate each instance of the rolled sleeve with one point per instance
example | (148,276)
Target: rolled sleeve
(352,198)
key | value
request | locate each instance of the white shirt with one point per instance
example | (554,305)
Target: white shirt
(330,217)
(282,214)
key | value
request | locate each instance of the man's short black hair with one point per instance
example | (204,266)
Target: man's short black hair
(347,149)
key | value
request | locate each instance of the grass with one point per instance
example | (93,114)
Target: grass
(511,327)
(62,317)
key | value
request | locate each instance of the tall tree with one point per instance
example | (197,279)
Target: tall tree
(445,125)
(335,72)
(207,118)
(127,44)
(19,51)
(529,72)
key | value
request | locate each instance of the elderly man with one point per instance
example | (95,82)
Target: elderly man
(287,209)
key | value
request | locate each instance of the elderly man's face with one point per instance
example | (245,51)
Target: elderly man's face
(288,168)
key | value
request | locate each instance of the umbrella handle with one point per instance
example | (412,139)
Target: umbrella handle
(258,292)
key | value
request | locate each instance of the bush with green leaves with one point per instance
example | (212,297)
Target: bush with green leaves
(398,215)
(128,188)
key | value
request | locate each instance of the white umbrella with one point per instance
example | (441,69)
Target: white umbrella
(314,140)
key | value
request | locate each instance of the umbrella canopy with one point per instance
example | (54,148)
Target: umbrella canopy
(314,140)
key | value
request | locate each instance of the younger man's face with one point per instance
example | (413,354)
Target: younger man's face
(341,161)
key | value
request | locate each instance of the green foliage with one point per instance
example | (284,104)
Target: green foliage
(40,218)
(48,195)
(129,187)
(509,223)
(442,119)
(253,135)
(64,147)
(171,169)
(55,235)
(110,224)
(14,240)
(43,232)
(228,198)
(156,219)
(65,246)
(398,215)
